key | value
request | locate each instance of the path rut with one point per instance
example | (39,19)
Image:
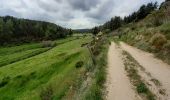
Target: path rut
(157,68)
(118,84)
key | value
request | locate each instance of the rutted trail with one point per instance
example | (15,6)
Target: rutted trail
(155,67)
(118,84)
(153,72)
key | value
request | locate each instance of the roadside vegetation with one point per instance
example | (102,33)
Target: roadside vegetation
(151,34)
(99,48)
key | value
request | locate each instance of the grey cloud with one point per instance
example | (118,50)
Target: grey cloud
(71,13)
(102,13)
(83,4)
(47,7)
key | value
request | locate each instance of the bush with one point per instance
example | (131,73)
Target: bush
(79,64)
(47,93)
(158,18)
(107,31)
(133,27)
(141,88)
(165,28)
(48,44)
(167,46)
(4,81)
(158,40)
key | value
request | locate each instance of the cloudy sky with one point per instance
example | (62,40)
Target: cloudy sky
(71,13)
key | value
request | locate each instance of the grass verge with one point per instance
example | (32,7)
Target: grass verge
(99,50)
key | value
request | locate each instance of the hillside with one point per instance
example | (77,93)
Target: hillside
(82,30)
(147,28)
(33,71)
(14,30)
(151,34)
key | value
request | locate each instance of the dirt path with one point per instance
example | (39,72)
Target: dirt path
(155,67)
(118,84)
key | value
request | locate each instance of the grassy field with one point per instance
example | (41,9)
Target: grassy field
(10,55)
(49,74)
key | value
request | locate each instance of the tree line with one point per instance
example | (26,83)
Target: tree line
(14,30)
(136,16)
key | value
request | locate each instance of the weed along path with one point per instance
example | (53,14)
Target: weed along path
(118,84)
(156,68)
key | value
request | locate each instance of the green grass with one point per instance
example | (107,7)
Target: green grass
(29,46)
(49,74)
(11,58)
(13,54)
(15,49)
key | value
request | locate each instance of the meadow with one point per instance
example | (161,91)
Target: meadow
(34,72)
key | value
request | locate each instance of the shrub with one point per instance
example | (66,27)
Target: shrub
(167,46)
(141,88)
(133,27)
(47,93)
(48,44)
(4,81)
(79,64)
(165,28)
(158,40)
(107,31)
(157,18)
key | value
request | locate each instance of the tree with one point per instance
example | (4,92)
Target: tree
(115,23)
(95,31)
(151,7)
(1,31)
(8,30)
(70,32)
(23,30)
(1,25)
(141,13)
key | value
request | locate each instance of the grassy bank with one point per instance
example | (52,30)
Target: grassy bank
(100,49)
(152,34)
(48,75)
(151,39)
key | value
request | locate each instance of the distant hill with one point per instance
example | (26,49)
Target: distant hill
(82,30)
(15,30)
